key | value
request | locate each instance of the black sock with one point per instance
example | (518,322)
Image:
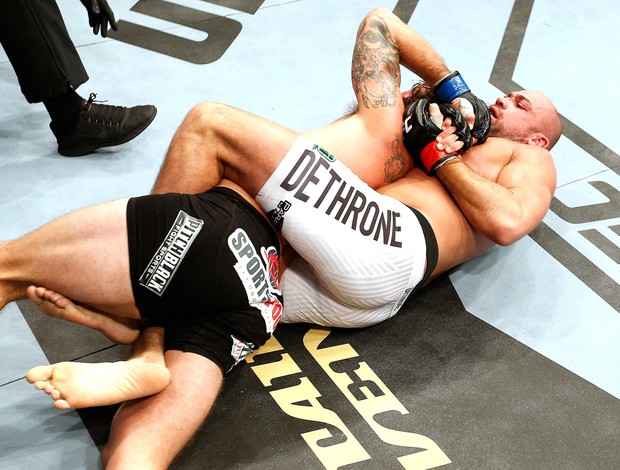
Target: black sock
(64,110)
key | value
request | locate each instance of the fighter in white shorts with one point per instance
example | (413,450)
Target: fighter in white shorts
(362,253)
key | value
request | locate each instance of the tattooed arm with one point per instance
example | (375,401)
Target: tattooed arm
(375,66)
(369,140)
(375,73)
(384,43)
(416,53)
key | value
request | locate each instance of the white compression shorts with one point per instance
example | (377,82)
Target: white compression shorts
(363,252)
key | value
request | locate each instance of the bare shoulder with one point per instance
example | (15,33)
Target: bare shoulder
(531,162)
(506,147)
(515,149)
(504,161)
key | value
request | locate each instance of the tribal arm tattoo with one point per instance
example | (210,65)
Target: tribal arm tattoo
(375,69)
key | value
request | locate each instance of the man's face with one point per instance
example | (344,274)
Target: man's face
(518,115)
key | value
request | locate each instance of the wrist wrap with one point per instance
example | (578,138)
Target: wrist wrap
(433,158)
(450,87)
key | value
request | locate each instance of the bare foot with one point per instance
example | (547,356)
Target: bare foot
(119,329)
(81,385)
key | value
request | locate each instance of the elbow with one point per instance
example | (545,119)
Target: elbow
(511,227)
(506,233)
(383,13)
(380,11)
(505,238)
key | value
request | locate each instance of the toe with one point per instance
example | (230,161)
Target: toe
(40,385)
(62,404)
(32,292)
(39,373)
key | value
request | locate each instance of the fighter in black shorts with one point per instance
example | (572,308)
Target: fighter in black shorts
(205,267)
(192,258)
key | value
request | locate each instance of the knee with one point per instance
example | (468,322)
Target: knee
(207,116)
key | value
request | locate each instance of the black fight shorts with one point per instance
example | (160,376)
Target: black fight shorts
(205,267)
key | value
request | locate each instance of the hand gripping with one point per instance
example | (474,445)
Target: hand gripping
(454,87)
(419,128)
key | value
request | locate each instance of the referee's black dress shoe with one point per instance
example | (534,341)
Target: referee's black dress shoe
(101,125)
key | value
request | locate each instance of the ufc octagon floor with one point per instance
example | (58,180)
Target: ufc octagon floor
(510,362)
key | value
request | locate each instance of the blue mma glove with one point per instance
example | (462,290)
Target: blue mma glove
(452,87)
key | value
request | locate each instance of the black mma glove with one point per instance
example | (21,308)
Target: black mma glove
(99,16)
(419,129)
(452,87)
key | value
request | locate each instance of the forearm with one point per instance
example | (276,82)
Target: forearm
(492,209)
(416,53)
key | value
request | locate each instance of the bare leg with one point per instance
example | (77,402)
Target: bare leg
(216,141)
(81,385)
(118,329)
(83,254)
(149,433)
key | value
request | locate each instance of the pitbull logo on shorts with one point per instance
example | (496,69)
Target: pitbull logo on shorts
(171,252)
(270,255)
(259,275)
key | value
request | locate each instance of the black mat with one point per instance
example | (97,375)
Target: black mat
(440,385)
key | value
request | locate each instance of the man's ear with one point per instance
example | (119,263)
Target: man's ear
(539,140)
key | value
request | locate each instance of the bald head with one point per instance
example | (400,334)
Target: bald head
(528,117)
